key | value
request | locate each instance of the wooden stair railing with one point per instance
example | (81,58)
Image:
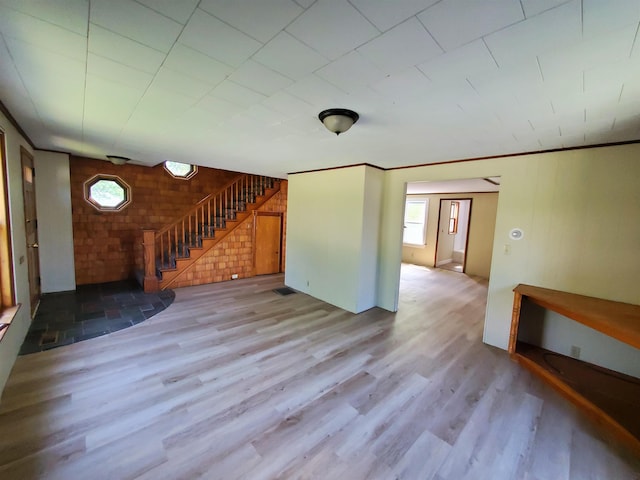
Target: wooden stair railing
(176,247)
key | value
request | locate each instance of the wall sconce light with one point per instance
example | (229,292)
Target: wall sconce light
(338,120)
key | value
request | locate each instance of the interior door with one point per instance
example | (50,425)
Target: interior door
(268,239)
(31,221)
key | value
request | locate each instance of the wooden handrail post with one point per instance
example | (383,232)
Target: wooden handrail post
(150,282)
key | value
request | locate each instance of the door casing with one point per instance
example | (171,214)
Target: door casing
(466,246)
(31,227)
(267,252)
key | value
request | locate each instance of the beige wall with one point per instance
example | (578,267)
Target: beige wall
(577,208)
(13,338)
(332,235)
(55,229)
(483,221)
(578,211)
(371,208)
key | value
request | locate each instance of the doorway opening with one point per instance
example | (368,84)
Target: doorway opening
(453,234)
(444,218)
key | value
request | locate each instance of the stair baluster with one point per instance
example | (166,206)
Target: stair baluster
(213,213)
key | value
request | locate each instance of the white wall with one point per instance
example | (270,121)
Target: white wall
(55,227)
(14,336)
(578,210)
(332,232)
(372,206)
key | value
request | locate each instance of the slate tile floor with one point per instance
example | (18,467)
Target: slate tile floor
(91,311)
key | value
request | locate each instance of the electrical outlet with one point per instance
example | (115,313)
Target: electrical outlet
(234,276)
(575,351)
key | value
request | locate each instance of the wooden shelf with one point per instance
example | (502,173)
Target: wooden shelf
(615,319)
(611,398)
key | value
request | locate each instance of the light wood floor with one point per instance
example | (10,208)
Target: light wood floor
(234,381)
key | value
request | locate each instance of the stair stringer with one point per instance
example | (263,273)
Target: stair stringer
(183,265)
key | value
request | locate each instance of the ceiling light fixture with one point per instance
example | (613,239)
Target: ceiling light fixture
(117,159)
(338,120)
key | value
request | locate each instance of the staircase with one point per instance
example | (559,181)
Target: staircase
(171,251)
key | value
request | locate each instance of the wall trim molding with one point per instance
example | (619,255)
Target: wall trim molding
(12,121)
(339,168)
(535,152)
(449,193)
(60,152)
(490,157)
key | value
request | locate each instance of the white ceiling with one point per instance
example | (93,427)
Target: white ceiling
(238,84)
(466,185)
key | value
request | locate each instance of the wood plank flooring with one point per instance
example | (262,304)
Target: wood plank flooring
(233,381)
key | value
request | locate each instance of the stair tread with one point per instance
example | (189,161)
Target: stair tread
(206,235)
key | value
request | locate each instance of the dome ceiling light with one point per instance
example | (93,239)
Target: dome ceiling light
(117,159)
(338,120)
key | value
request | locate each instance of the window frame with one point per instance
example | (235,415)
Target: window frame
(108,177)
(8,307)
(416,199)
(7,291)
(188,176)
(454,213)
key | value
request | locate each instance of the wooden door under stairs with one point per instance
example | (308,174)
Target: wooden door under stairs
(268,242)
(175,249)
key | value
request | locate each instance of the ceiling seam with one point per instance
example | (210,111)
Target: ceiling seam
(430,34)
(160,13)
(368,20)
(524,14)
(41,19)
(86,74)
(484,41)
(124,36)
(635,39)
(146,90)
(24,85)
(227,24)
